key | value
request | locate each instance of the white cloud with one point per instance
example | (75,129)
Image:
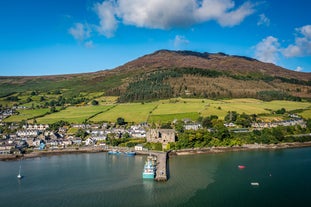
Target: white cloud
(298,69)
(163,14)
(234,17)
(80,31)
(106,12)
(263,20)
(302,45)
(267,50)
(179,41)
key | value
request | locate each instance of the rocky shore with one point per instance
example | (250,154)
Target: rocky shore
(246,147)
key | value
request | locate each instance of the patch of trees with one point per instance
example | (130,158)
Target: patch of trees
(12,98)
(55,126)
(199,72)
(94,102)
(220,136)
(81,133)
(243,119)
(267,79)
(121,121)
(153,86)
(294,81)
(276,95)
(148,88)
(62,101)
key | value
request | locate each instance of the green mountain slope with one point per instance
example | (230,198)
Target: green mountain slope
(166,74)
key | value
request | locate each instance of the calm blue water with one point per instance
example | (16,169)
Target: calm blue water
(284,178)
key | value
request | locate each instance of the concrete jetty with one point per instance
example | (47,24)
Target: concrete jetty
(162,168)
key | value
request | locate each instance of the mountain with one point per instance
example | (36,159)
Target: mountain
(234,64)
(165,74)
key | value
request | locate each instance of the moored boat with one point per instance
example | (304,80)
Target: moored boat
(130,153)
(114,152)
(19,175)
(149,169)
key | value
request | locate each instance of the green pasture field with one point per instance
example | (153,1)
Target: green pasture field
(73,114)
(6,103)
(26,114)
(177,106)
(306,114)
(131,112)
(250,106)
(288,105)
(164,110)
(92,95)
(164,118)
(103,100)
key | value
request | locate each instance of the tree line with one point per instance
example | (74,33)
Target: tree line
(219,135)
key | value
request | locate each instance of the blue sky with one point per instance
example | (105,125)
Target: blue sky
(72,36)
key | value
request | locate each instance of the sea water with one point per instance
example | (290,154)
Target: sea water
(99,179)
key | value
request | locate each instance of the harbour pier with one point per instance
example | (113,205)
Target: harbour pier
(162,169)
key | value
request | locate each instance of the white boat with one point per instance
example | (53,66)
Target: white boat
(19,176)
(149,168)
(254,183)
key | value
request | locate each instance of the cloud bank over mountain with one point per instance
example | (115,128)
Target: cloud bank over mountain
(163,14)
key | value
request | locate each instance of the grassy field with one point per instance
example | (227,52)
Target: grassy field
(250,106)
(306,114)
(73,114)
(164,110)
(164,118)
(131,112)
(26,114)
(177,106)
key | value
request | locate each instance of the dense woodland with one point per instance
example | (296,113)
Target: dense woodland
(202,83)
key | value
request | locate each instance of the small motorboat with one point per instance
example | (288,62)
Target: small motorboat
(19,175)
(114,152)
(241,166)
(130,153)
(254,183)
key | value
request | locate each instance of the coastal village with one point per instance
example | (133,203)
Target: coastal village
(41,137)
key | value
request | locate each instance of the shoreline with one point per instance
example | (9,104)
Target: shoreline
(52,152)
(192,151)
(246,147)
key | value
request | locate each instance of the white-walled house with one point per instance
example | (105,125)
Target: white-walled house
(192,126)
(27,133)
(139,147)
